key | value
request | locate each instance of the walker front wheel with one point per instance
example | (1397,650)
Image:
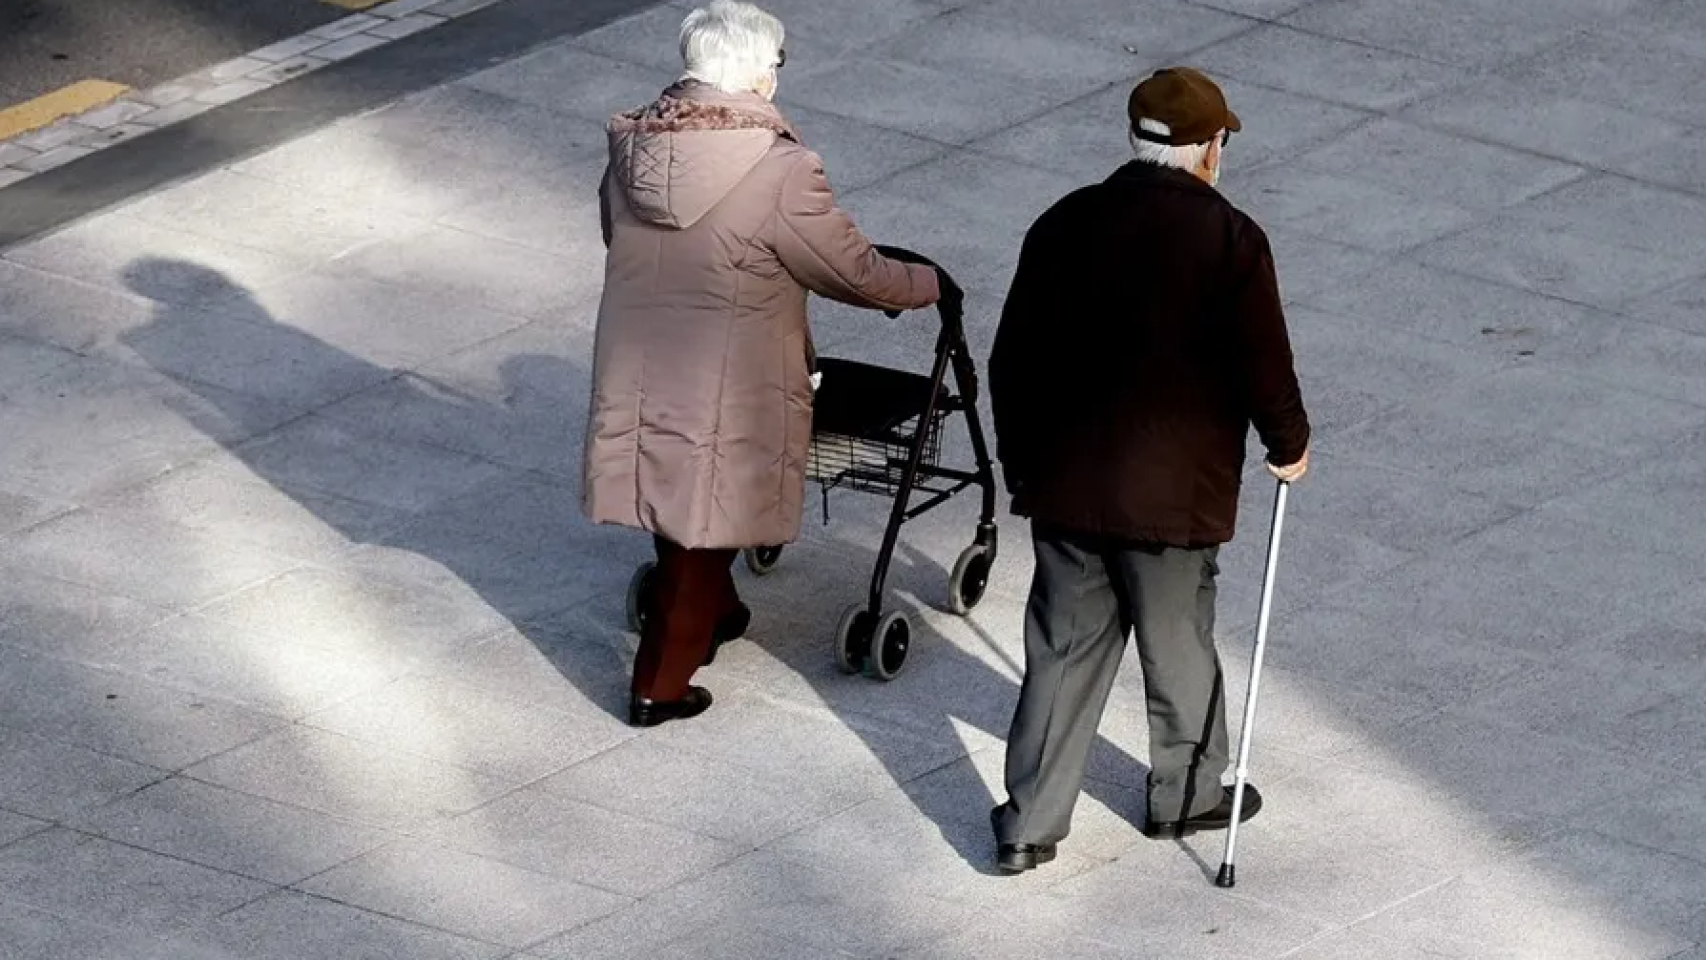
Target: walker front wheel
(970,579)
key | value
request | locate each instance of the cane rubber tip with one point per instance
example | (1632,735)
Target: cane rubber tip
(1228,877)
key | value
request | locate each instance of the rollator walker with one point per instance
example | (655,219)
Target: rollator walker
(878,430)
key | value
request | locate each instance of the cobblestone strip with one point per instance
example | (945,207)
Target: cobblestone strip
(144,111)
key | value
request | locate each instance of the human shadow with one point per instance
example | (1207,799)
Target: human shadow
(512,552)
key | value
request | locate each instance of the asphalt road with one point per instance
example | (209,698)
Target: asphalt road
(48,44)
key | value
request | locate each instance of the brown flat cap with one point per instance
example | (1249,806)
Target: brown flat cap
(1183,106)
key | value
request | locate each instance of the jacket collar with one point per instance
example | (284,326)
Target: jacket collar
(1153,176)
(754,107)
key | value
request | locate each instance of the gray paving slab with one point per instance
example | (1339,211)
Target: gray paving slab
(461,120)
(59,618)
(705,794)
(1530,908)
(465,894)
(256,670)
(1327,69)
(518,399)
(366,613)
(239,348)
(125,554)
(332,458)
(348,166)
(16,826)
(457,265)
(1470,35)
(783,898)
(1167,30)
(1438,166)
(1409,297)
(223,497)
(577,82)
(1606,703)
(1001,49)
(376,327)
(1589,62)
(1331,206)
(229,831)
(288,926)
(554,210)
(66,872)
(284,219)
(161,264)
(1172,918)
(50,779)
(1680,308)
(334,775)
(516,742)
(120,715)
(1564,123)
(33,934)
(132,423)
(24,361)
(959,109)
(618,852)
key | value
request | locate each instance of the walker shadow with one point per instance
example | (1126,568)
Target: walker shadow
(243,340)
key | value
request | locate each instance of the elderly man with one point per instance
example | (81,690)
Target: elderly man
(1142,337)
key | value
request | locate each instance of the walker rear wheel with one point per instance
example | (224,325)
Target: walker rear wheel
(762,560)
(853,639)
(640,596)
(889,647)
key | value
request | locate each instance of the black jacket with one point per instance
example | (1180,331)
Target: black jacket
(1142,337)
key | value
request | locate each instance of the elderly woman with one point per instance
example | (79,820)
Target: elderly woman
(718,222)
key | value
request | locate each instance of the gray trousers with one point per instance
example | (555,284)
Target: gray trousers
(1088,595)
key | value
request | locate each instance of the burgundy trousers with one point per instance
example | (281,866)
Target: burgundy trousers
(691,590)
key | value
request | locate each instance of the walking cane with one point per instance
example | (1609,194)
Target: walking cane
(1228,876)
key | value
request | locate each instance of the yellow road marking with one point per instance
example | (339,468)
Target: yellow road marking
(354,4)
(64,102)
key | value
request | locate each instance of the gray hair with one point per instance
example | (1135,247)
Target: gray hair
(1188,157)
(730,45)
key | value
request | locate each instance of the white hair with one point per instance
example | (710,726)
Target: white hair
(730,45)
(1188,157)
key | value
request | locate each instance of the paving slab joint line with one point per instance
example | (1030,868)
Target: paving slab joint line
(72,137)
(1386,908)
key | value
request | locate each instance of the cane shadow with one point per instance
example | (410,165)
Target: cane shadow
(226,354)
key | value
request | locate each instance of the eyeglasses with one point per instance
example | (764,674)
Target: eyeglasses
(1225,138)
(781,57)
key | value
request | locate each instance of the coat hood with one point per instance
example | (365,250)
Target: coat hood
(677,158)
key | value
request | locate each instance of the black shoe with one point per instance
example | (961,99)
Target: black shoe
(730,627)
(1219,818)
(1018,857)
(650,713)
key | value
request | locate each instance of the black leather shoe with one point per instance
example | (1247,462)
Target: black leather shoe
(650,713)
(1018,857)
(1219,818)
(730,627)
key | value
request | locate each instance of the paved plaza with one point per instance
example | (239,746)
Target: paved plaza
(306,653)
